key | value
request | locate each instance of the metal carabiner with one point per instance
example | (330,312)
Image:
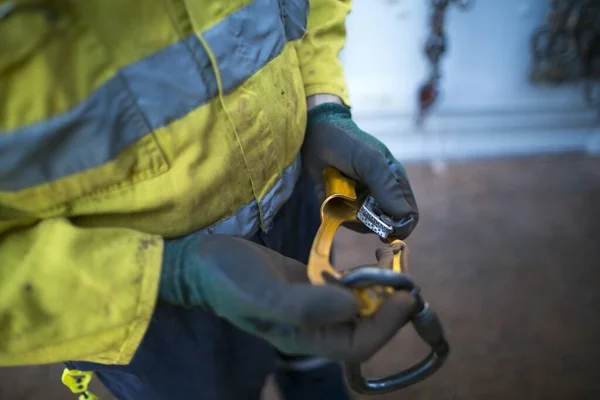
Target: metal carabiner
(372,284)
(425,322)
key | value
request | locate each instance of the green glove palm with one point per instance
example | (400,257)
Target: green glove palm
(269,295)
(333,139)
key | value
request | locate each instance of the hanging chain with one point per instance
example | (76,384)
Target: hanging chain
(567,47)
(435,47)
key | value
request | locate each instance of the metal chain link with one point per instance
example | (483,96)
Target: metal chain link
(567,47)
(435,47)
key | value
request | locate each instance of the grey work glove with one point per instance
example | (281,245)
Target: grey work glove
(269,295)
(333,139)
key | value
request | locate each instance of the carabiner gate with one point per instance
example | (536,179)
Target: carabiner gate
(425,322)
(372,284)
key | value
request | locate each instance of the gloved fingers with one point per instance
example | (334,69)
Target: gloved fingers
(371,334)
(392,192)
(310,305)
(292,271)
(264,284)
(359,340)
(385,257)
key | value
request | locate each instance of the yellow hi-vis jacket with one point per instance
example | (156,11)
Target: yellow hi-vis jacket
(125,121)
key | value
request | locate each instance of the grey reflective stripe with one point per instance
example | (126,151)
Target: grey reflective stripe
(165,86)
(295,17)
(87,136)
(246,221)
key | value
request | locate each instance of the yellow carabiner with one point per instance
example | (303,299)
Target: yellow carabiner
(78,381)
(341,205)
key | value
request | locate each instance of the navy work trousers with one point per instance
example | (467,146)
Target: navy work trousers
(193,354)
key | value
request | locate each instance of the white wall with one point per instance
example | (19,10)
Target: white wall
(488,107)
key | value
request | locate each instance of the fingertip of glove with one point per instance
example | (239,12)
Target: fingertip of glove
(402,299)
(394,312)
(373,333)
(324,304)
(385,256)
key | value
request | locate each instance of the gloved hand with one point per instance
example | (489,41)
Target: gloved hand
(269,295)
(333,139)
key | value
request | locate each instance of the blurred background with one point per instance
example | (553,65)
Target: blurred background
(501,138)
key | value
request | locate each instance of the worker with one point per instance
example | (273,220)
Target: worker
(160,177)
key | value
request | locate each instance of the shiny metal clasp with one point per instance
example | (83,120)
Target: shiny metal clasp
(373,284)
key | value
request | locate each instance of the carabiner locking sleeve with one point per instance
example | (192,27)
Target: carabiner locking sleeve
(426,324)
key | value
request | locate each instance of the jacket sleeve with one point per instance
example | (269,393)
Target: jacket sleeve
(73,293)
(318,50)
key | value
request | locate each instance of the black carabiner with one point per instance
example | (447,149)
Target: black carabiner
(425,322)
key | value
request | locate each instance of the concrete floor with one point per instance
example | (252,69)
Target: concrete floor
(508,252)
